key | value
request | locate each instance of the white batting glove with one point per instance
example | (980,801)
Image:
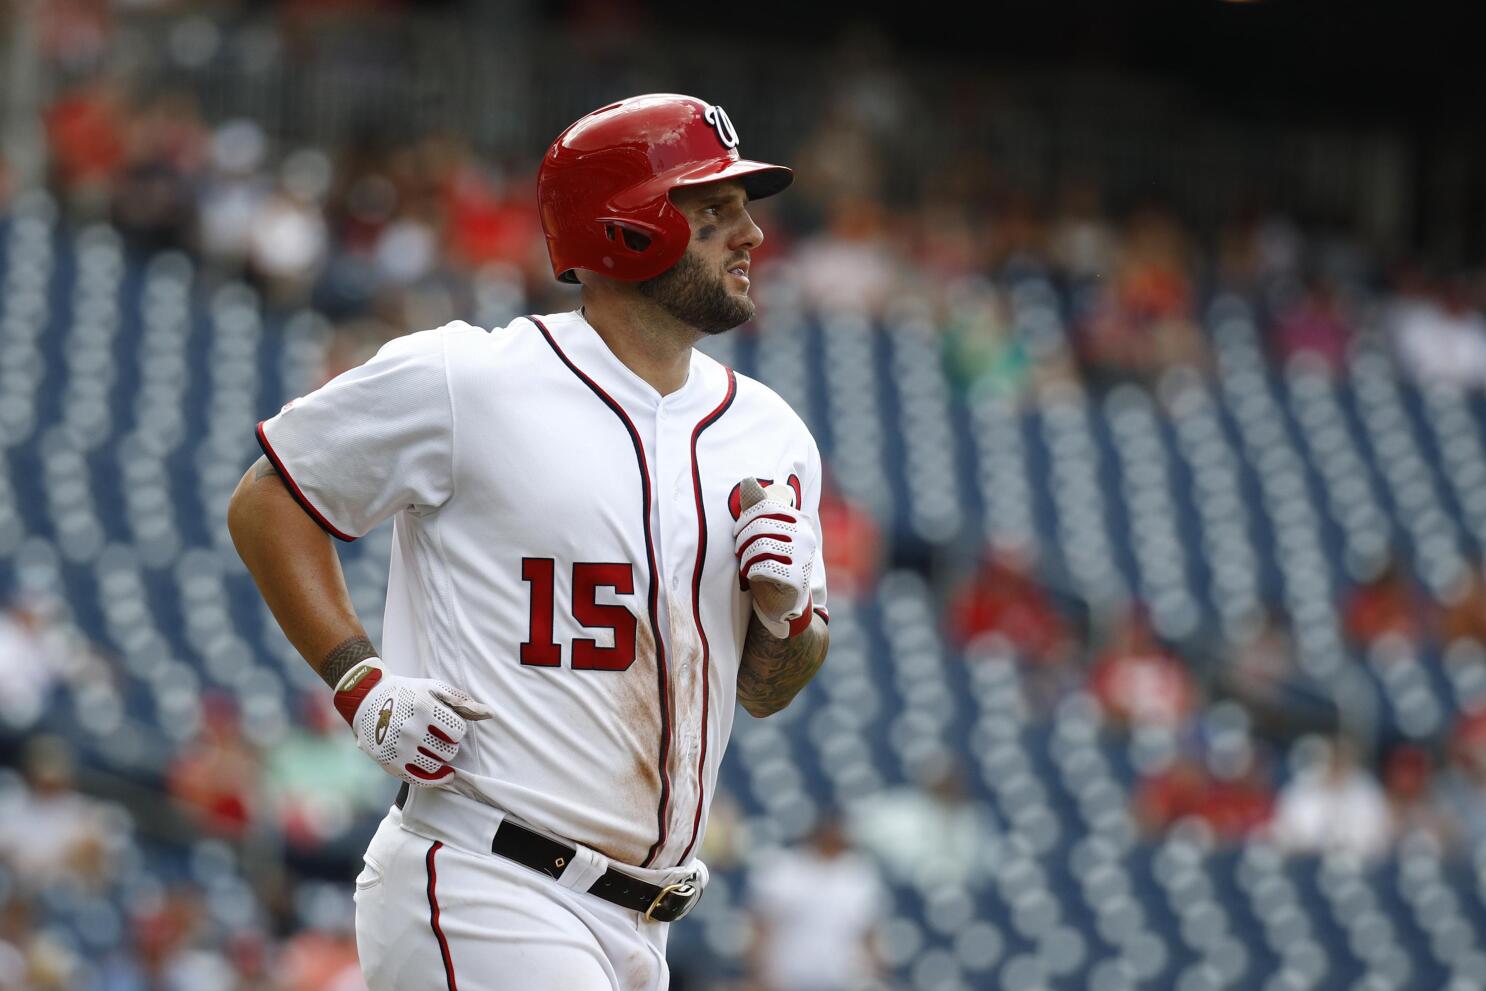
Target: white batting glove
(775,545)
(411,726)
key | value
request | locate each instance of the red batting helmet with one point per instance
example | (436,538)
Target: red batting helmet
(605,184)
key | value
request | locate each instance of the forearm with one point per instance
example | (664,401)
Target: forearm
(298,572)
(773,671)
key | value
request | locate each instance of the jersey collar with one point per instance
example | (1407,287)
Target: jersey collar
(704,379)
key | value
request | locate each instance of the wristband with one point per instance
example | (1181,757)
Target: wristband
(354,687)
(801,623)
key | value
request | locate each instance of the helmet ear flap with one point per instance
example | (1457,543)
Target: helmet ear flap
(630,236)
(624,234)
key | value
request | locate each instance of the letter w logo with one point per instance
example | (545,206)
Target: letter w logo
(718,118)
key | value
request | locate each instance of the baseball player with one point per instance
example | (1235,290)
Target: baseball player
(602,538)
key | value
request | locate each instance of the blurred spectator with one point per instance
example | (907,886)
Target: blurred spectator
(1279,248)
(48,832)
(1170,794)
(929,832)
(814,910)
(320,960)
(1462,785)
(1138,682)
(31,958)
(31,659)
(12,968)
(407,250)
(851,543)
(85,139)
(1386,605)
(75,34)
(1262,674)
(1465,611)
(982,349)
(1005,599)
(232,192)
(1316,325)
(251,956)
(167,952)
(1229,792)
(1334,806)
(852,265)
(1413,798)
(216,776)
(352,343)
(315,779)
(1442,336)
(1083,243)
(1240,799)
(288,239)
(839,161)
(726,843)
(947,243)
(1142,322)
(491,219)
(165,152)
(1018,236)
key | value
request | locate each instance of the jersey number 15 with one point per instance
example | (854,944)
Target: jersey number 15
(540,650)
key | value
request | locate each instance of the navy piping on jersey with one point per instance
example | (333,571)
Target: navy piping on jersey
(293,488)
(433,916)
(662,672)
(696,598)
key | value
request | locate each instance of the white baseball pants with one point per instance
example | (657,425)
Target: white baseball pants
(435,916)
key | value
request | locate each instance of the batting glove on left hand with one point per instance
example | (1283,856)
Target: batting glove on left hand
(411,726)
(775,544)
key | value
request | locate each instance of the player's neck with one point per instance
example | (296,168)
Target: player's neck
(652,345)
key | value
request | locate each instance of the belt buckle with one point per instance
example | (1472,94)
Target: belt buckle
(674,901)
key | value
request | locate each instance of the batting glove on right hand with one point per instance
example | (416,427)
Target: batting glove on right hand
(411,726)
(775,545)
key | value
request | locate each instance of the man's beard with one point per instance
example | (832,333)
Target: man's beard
(697,297)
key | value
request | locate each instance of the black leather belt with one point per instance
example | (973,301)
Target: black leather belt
(658,903)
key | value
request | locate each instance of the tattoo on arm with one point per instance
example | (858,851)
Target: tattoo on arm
(344,656)
(773,671)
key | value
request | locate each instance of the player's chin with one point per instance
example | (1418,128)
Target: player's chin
(738,313)
(744,308)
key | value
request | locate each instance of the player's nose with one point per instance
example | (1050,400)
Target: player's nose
(749,234)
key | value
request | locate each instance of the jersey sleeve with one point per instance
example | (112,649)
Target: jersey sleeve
(371,442)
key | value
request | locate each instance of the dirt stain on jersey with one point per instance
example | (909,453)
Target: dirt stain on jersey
(639,973)
(688,674)
(637,708)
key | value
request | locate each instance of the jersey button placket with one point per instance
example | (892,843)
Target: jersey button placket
(664,438)
(665,511)
(661,523)
(663,502)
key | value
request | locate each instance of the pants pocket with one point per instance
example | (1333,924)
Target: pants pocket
(370,876)
(379,853)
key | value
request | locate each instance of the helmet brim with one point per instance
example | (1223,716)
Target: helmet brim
(759,179)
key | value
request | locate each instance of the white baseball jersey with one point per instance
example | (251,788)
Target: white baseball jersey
(563,551)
